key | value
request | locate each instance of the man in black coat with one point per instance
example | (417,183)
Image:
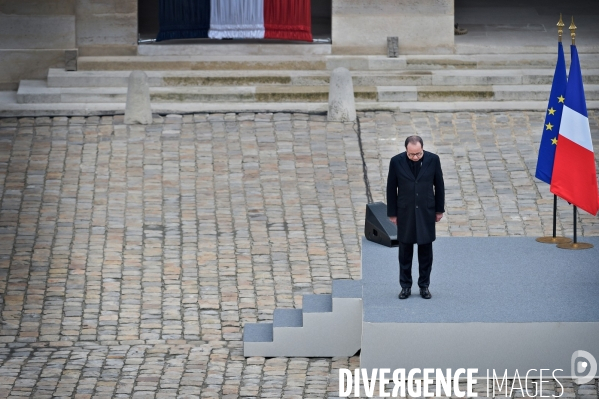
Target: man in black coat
(415,202)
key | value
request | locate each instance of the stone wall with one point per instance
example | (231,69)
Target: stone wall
(107,27)
(423,26)
(33,37)
(35,33)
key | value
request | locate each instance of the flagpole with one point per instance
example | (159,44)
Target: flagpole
(574,209)
(554,215)
(574,244)
(554,239)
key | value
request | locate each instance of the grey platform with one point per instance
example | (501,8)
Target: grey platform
(325,326)
(506,303)
(498,303)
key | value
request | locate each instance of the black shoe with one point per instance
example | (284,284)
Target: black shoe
(425,293)
(405,292)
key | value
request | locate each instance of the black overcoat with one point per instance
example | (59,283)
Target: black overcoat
(415,200)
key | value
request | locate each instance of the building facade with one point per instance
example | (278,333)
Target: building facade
(34,34)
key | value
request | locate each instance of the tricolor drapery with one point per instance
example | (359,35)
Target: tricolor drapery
(235,19)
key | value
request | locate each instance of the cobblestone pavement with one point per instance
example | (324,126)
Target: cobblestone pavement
(131,257)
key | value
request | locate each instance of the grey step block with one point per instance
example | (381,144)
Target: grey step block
(322,334)
(317,303)
(60,78)
(186,63)
(288,318)
(328,62)
(258,332)
(347,289)
(241,49)
(10,108)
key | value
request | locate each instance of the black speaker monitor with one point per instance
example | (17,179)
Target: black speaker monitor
(377,227)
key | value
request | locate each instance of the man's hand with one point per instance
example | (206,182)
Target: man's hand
(438,217)
(393,219)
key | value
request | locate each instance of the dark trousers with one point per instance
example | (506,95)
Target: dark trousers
(425,264)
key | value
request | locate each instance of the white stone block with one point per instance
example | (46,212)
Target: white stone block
(342,106)
(422,26)
(37,31)
(16,65)
(138,109)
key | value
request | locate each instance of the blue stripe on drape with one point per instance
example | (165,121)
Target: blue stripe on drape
(184,19)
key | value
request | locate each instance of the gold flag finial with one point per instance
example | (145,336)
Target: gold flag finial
(573,31)
(560,27)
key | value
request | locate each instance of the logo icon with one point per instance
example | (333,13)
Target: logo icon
(583,362)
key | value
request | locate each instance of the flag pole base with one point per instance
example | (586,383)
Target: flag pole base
(575,245)
(554,240)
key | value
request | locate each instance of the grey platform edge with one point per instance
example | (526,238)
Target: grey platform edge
(326,326)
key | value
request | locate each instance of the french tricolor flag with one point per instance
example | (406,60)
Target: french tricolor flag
(574,177)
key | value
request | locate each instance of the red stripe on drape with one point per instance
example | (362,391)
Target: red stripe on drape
(288,20)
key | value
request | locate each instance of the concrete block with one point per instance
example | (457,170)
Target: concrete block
(38,7)
(391,79)
(347,288)
(194,63)
(349,62)
(262,332)
(521,92)
(455,93)
(16,65)
(138,109)
(342,106)
(126,6)
(378,63)
(203,94)
(388,7)
(397,93)
(478,77)
(70,60)
(37,31)
(422,27)
(106,29)
(61,78)
(315,303)
(36,91)
(213,49)
(502,327)
(321,334)
(107,6)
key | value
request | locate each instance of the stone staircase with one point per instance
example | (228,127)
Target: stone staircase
(181,84)
(326,326)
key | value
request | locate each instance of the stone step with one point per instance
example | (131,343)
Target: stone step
(473,93)
(317,303)
(62,78)
(192,63)
(33,91)
(347,289)
(457,61)
(287,318)
(327,325)
(10,108)
(258,332)
(238,49)
(328,62)
(36,91)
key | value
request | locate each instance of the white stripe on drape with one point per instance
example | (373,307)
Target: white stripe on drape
(236,19)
